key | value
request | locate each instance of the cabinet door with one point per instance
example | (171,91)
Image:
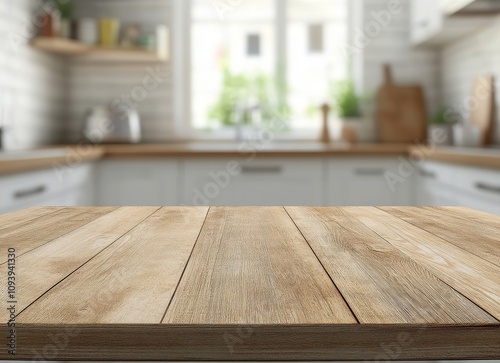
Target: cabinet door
(426,20)
(267,182)
(480,188)
(434,185)
(137,183)
(368,182)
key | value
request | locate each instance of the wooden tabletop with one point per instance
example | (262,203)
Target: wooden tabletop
(250,283)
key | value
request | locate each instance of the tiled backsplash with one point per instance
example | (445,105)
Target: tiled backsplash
(32,84)
(95,84)
(464,60)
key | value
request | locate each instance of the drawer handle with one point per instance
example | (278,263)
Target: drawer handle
(261,169)
(369,171)
(427,173)
(30,192)
(488,188)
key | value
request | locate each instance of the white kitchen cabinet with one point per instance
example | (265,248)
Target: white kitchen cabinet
(426,20)
(71,186)
(261,182)
(456,185)
(433,185)
(137,182)
(436,23)
(368,182)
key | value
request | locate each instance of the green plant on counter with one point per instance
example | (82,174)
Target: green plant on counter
(238,89)
(65,8)
(347,104)
(440,117)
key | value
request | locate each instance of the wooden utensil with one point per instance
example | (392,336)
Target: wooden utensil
(325,132)
(401,112)
(482,105)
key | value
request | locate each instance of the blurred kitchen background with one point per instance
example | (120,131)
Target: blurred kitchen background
(249,102)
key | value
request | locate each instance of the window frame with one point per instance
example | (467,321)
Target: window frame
(181,61)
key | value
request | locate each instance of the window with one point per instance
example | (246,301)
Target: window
(283,55)
(316,38)
(253,45)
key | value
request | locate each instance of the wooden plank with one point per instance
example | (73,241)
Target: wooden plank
(470,214)
(252,266)
(25,216)
(478,238)
(472,276)
(36,233)
(17,165)
(451,155)
(380,283)
(57,259)
(133,280)
(354,342)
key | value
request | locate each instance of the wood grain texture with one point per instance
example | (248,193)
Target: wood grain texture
(252,266)
(56,260)
(39,231)
(19,165)
(475,237)
(133,280)
(380,283)
(24,216)
(249,283)
(464,213)
(356,342)
(450,155)
(472,276)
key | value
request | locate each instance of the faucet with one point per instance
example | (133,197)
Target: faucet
(253,109)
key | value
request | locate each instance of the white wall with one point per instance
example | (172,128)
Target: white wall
(96,84)
(32,83)
(462,61)
(390,43)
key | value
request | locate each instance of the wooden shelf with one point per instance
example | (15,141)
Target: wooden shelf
(75,49)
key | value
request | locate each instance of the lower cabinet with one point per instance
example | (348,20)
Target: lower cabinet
(369,182)
(265,182)
(71,186)
(137,182)
(456,185)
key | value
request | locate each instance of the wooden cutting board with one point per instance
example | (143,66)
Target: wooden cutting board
(483,107)
(401,112)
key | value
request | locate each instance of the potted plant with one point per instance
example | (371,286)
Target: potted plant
(439,128)
(349,107)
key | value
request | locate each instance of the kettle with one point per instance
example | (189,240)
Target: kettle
(104,125)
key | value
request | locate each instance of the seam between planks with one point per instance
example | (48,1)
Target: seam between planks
(422,266)
(435,235)
(31,220)
(90,259)
(322,266)
(185,266)
(43,244)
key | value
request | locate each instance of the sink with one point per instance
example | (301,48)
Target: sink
(20,155)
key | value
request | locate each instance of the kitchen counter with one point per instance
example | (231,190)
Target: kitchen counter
(479,157)
(244,150)
(250,283)
(20,161)
(48,157)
